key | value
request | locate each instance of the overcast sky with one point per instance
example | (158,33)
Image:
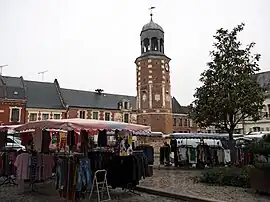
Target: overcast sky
(90,44)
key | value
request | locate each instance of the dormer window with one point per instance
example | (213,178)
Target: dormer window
(119,105)
(125,105)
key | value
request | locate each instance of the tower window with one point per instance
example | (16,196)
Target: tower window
(146,45)
(161,48)
(154,44)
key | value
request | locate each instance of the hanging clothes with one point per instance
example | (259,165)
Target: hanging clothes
(37,140)
(3,136)
(22,163)
(102,138)
(127,171)
(182,153)
(148,152)
(227,156)
(221,156)
(46,141)
(73,176)
(84,175)
(192,154)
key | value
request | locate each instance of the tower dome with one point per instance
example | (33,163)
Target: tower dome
(152,26)
(152,39)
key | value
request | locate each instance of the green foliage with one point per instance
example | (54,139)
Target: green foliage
(237,177)
(229,92)
(260,148)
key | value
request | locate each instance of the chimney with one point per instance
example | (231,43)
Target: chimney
(99,91)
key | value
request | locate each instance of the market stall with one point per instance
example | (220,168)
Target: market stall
(122,165)
(10,145)
(199,149)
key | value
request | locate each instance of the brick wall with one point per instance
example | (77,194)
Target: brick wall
(40,111)
(183,124)
(158,122)
(73,113)
(5,111)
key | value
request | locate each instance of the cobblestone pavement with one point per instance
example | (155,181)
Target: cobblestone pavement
(180,181)
(49,194)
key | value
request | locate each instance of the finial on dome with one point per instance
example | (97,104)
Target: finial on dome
(151,12)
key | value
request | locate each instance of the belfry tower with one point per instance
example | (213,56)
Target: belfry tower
(154,101)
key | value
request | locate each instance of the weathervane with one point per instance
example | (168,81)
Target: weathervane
(151,11)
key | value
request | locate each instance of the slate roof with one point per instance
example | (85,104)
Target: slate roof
(12,88)
(88,99)
(152,26)
(177,108)
(263,78)
(45,95)
(42,95)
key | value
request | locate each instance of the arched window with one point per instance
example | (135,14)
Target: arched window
(154,44)
(161,46)
(146,45)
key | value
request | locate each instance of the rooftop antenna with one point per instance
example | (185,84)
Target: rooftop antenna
(151,11)
(1,68)
(42,74)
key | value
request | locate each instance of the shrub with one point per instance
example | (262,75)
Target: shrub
(237,177)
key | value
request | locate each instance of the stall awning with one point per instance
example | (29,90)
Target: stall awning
(84,124)
(202,135)
(9,128)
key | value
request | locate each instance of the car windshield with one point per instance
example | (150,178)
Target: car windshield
(15,140)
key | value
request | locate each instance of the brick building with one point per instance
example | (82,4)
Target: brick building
(12,100)
(99,105)
(182,123)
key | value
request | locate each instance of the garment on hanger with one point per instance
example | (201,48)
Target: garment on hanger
(84,174)
(102,138)
(46,141)
(182,153)
(123,148)
(220,154)
(192,155)
(227,156)
(22,163)
(37,140)
(3,136)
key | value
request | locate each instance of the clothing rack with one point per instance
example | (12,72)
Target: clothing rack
(7,167)
(73,165)
(37,171)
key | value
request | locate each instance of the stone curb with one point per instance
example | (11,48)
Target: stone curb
(183,197)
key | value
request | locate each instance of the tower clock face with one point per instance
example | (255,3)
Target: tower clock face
(166,67)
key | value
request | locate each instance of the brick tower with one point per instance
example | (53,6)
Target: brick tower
(154,102)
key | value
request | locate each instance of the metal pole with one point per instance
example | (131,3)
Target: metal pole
(1,68)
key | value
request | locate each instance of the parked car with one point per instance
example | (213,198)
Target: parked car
(14,142)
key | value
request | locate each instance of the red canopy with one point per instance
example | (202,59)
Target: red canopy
(84,124)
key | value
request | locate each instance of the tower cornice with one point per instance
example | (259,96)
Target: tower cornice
(143,57)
